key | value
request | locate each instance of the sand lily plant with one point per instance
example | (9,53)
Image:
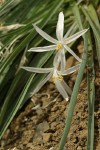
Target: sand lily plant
(17,85)
(58,70)
(60,46)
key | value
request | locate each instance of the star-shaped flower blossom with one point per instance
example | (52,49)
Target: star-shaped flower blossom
(59,44)
(56,76)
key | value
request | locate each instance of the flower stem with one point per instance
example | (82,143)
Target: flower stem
(76,87)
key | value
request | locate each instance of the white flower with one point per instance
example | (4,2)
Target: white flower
(57,78)
(60,45)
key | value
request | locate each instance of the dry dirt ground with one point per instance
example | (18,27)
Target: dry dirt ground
(40,123)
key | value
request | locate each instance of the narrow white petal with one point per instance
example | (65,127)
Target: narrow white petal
(71,52)
(66,87)
(42,49)
(63,60)
(57,59)
(75,36)
(70,70)
(38,70)
(39,86)
(60,26)
(61,89)
(45,35)
(70,30)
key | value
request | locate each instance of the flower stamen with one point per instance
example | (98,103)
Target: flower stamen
(59,46)
(54,78)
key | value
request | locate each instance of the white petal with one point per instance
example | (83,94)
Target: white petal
(38,70)
(61,89)
(66,87)
(70,70)
(75,36)
(42,49)
(70,30)
(57,59)
(45,35)
(71,52)
(63,60)
(39,86)
(60,26)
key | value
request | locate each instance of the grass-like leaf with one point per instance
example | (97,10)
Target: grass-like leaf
(95,27)
(91,95)
(15,95)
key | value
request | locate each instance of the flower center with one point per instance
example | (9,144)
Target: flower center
(54,78)
(59,46)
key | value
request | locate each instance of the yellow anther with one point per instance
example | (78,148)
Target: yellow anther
(60,78)
(59,46)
